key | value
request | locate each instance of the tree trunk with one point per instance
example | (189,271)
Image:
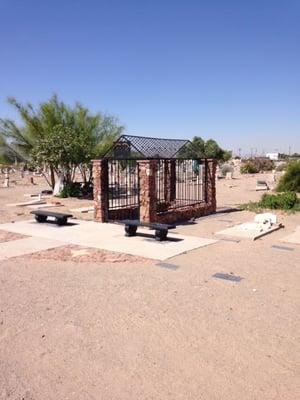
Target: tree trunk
(82,169)
(52,177)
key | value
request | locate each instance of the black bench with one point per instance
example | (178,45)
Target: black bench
(42,215)
(161,230)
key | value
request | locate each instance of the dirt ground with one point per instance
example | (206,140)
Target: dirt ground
(19,191)
(100,329)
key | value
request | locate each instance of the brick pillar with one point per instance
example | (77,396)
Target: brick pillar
(210,184)
(100,185)
(172,180)
(148,200)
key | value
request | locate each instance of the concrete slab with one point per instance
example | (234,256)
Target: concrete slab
(20,247)
(27,203)
(110,237)
(47,205)
(284,248)
(247,231)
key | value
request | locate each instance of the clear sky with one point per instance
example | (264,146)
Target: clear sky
(227,69)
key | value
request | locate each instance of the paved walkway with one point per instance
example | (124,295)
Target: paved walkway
(110,237)
(15,248)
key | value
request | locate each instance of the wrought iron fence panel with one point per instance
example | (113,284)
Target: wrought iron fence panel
(123,184)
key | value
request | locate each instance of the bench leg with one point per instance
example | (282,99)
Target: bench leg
(61,221)
(161,235)
(130,230)
(41,218)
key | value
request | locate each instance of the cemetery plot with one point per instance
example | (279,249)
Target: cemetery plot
(262,225)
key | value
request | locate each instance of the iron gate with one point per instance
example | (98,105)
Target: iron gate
(123,189)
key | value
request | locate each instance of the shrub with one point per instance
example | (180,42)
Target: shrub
(282,201)
(249,168)
(290,181)
(281,167)
(226,168)
(287,201)
(264,164)
(71,189)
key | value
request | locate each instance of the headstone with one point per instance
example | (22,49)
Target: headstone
(6,179)
(229,175)
(261,185)
(263,217)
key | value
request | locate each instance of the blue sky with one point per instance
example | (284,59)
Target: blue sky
(229,70)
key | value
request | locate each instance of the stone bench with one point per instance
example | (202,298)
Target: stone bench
(59,218)
(161,230)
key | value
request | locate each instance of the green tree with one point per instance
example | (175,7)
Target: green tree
(199,145)
(64,149)
(15,142)
(227,155)
(59,137)
(198,148)
(213,150)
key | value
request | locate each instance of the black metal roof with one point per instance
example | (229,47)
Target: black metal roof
(141,147)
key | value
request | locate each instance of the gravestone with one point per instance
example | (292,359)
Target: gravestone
(229,175)
(261,185)
(6,179)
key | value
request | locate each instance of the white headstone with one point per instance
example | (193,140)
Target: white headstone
(6,179)
(261,218)
(229,175)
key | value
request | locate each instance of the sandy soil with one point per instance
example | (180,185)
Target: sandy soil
(15,194)
(135,330)
(80,254)
(7,236)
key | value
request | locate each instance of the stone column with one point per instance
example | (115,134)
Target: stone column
(100,188)
(210,184)
(148,200)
